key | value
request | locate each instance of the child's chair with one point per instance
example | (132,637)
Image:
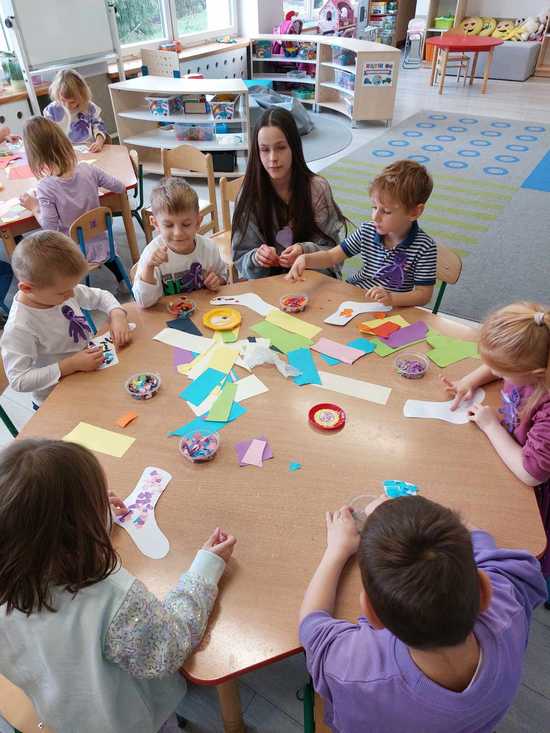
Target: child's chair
(313,710)
(3,414)
(229,191)
(458,61)
(449,267)
(17,710)
(91,224)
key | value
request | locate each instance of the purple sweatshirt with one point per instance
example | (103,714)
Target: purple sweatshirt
(369,681)
(63,200)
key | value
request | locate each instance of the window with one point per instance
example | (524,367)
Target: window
(307,9)
(147,22)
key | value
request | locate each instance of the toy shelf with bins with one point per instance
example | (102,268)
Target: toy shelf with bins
(139,128)
(353,88)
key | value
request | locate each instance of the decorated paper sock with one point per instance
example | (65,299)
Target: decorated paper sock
(350,308)
(442,410)
(140,522)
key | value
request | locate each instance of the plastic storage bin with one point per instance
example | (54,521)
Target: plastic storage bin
(189,131)
(444,23)
(343,56)
(224,106)
(164,106)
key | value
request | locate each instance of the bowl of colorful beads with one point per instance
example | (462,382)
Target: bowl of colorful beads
(411,365)
(143,386)
(200,448)
(293,303)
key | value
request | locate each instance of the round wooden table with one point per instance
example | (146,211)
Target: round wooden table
(451,42)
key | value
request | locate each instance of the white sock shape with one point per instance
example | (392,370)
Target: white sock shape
(337,319)
(442,410)
(140,522)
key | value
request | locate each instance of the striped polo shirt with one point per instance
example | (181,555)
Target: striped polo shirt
(412,262)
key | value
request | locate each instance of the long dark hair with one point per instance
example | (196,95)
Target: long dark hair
(54,523)
(259,200)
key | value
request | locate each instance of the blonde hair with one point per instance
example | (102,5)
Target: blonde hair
(46,256)
(516,340)
(70,85)
(174,196)
(405,181)
(49,151)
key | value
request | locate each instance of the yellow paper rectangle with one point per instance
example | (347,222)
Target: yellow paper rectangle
(390,319)
(99,439)
(223,358)
(292,324)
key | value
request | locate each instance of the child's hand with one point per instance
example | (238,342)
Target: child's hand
(29,201)
(157,256)
(342,534)
(483,416)
(119,327)
(212,281)
(83,361)
(266,256)
(14,139)
(289,255)
(220,543)
(379,295)
(461,389)
(117,504)
(97,146)
(297,270)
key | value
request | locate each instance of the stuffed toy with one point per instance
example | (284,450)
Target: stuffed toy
(503,28)
(522,31)
(471,26)
(488,27)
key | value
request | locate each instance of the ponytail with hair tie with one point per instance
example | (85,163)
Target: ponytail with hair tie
(539,318)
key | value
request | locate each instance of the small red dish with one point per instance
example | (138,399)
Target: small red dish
(327,416)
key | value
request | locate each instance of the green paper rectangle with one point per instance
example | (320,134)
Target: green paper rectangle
(229,337)
(280,339)
(221,408)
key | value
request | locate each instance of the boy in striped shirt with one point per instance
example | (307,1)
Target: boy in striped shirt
(399,259)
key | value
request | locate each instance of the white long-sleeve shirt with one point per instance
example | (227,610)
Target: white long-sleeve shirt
(35,340)
(176,275)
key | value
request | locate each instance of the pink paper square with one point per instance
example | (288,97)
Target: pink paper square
(347,354)
(254,453)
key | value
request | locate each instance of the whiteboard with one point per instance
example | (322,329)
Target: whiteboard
(60,31)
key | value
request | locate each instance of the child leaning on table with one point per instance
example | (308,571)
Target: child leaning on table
(87,642)
(515,346)
(399,258)
(46,334)
(446,627)
(178,260)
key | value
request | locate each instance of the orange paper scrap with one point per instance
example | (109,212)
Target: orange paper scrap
(125,420)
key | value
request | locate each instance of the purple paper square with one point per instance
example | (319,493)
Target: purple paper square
(243,446)
(182,356)
(406,335)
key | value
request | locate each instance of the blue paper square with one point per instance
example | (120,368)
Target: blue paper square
(201,387)
(302,359)
(206,427)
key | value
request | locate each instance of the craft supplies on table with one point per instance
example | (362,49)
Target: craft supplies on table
(293,303)
(199,448)
(222,319)
(358,506)
(143,386)
(411,365)
(181,307)
(327,416)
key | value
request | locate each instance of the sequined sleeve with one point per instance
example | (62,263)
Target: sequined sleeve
(149,638)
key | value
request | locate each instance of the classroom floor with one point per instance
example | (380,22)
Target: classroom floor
(269,695)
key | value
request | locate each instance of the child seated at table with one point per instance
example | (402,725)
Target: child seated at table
(399,258)
(66,188)
(75,113)
(87,642)
(46,334)
(178,260)
(446,627)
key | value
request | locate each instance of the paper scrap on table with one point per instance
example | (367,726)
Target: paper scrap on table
(292,324)
(365,326)
(140,521)
(230,337)
(183,340)
(199,390)
(184,324)
(204,427)
(302,359)
(254,453)
(407,335)
(339,351)
(107,346)
(250,300)
(183,356)
(19,172)
(126,419)
(448,350)
(294,466)
(89,161)
(99,439)
(204,407)
(442,410)
(83,149)
(351,308)
(360,343)
(242,447)
(221,408)
(223,358)
(249,387)
(280,339)
(7,159)
(355,388)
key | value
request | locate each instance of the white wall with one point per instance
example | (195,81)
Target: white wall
(259,16)
(506,8)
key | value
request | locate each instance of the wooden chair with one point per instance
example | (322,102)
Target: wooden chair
(3,414)
(183,160)
(449,267)
(90,225)
(18,710)
(229,191)
(458,61)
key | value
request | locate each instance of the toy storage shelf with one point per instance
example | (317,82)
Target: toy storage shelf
(139,128)
(372,78)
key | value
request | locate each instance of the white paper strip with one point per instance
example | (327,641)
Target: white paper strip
(354,388)
(249,387)
(442,410)
(182,340)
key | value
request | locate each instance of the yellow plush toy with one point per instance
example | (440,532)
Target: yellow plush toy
(489,26)
(504,27)
(471,26)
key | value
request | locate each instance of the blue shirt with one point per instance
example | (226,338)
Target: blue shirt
(413,262)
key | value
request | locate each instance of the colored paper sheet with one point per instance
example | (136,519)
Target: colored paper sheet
(199,365)
(329,360)
(184,324)
(384,330)
(204,427)
(182,340)
(292,324)
(302,359)
(360,343)
(355,388)
(221,408)
(381,348)
(199,390)
(243,446)
(7,159)
(229,337)
(294,466)
(223,358)
(249,387)
(126,419)
(250,300)
(339,351)
(365,326)
(19,172)
(254,453)
(449,350)
(407,335)
(205,406)
(280,339)
(183,356)
(99,439)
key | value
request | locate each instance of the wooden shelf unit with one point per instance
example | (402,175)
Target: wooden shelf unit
(138,128)
(543,61)
(364,100)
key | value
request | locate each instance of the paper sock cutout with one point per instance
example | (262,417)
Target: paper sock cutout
(106,344)
(250,300)
(140,522)
(442,410)
(350,308)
